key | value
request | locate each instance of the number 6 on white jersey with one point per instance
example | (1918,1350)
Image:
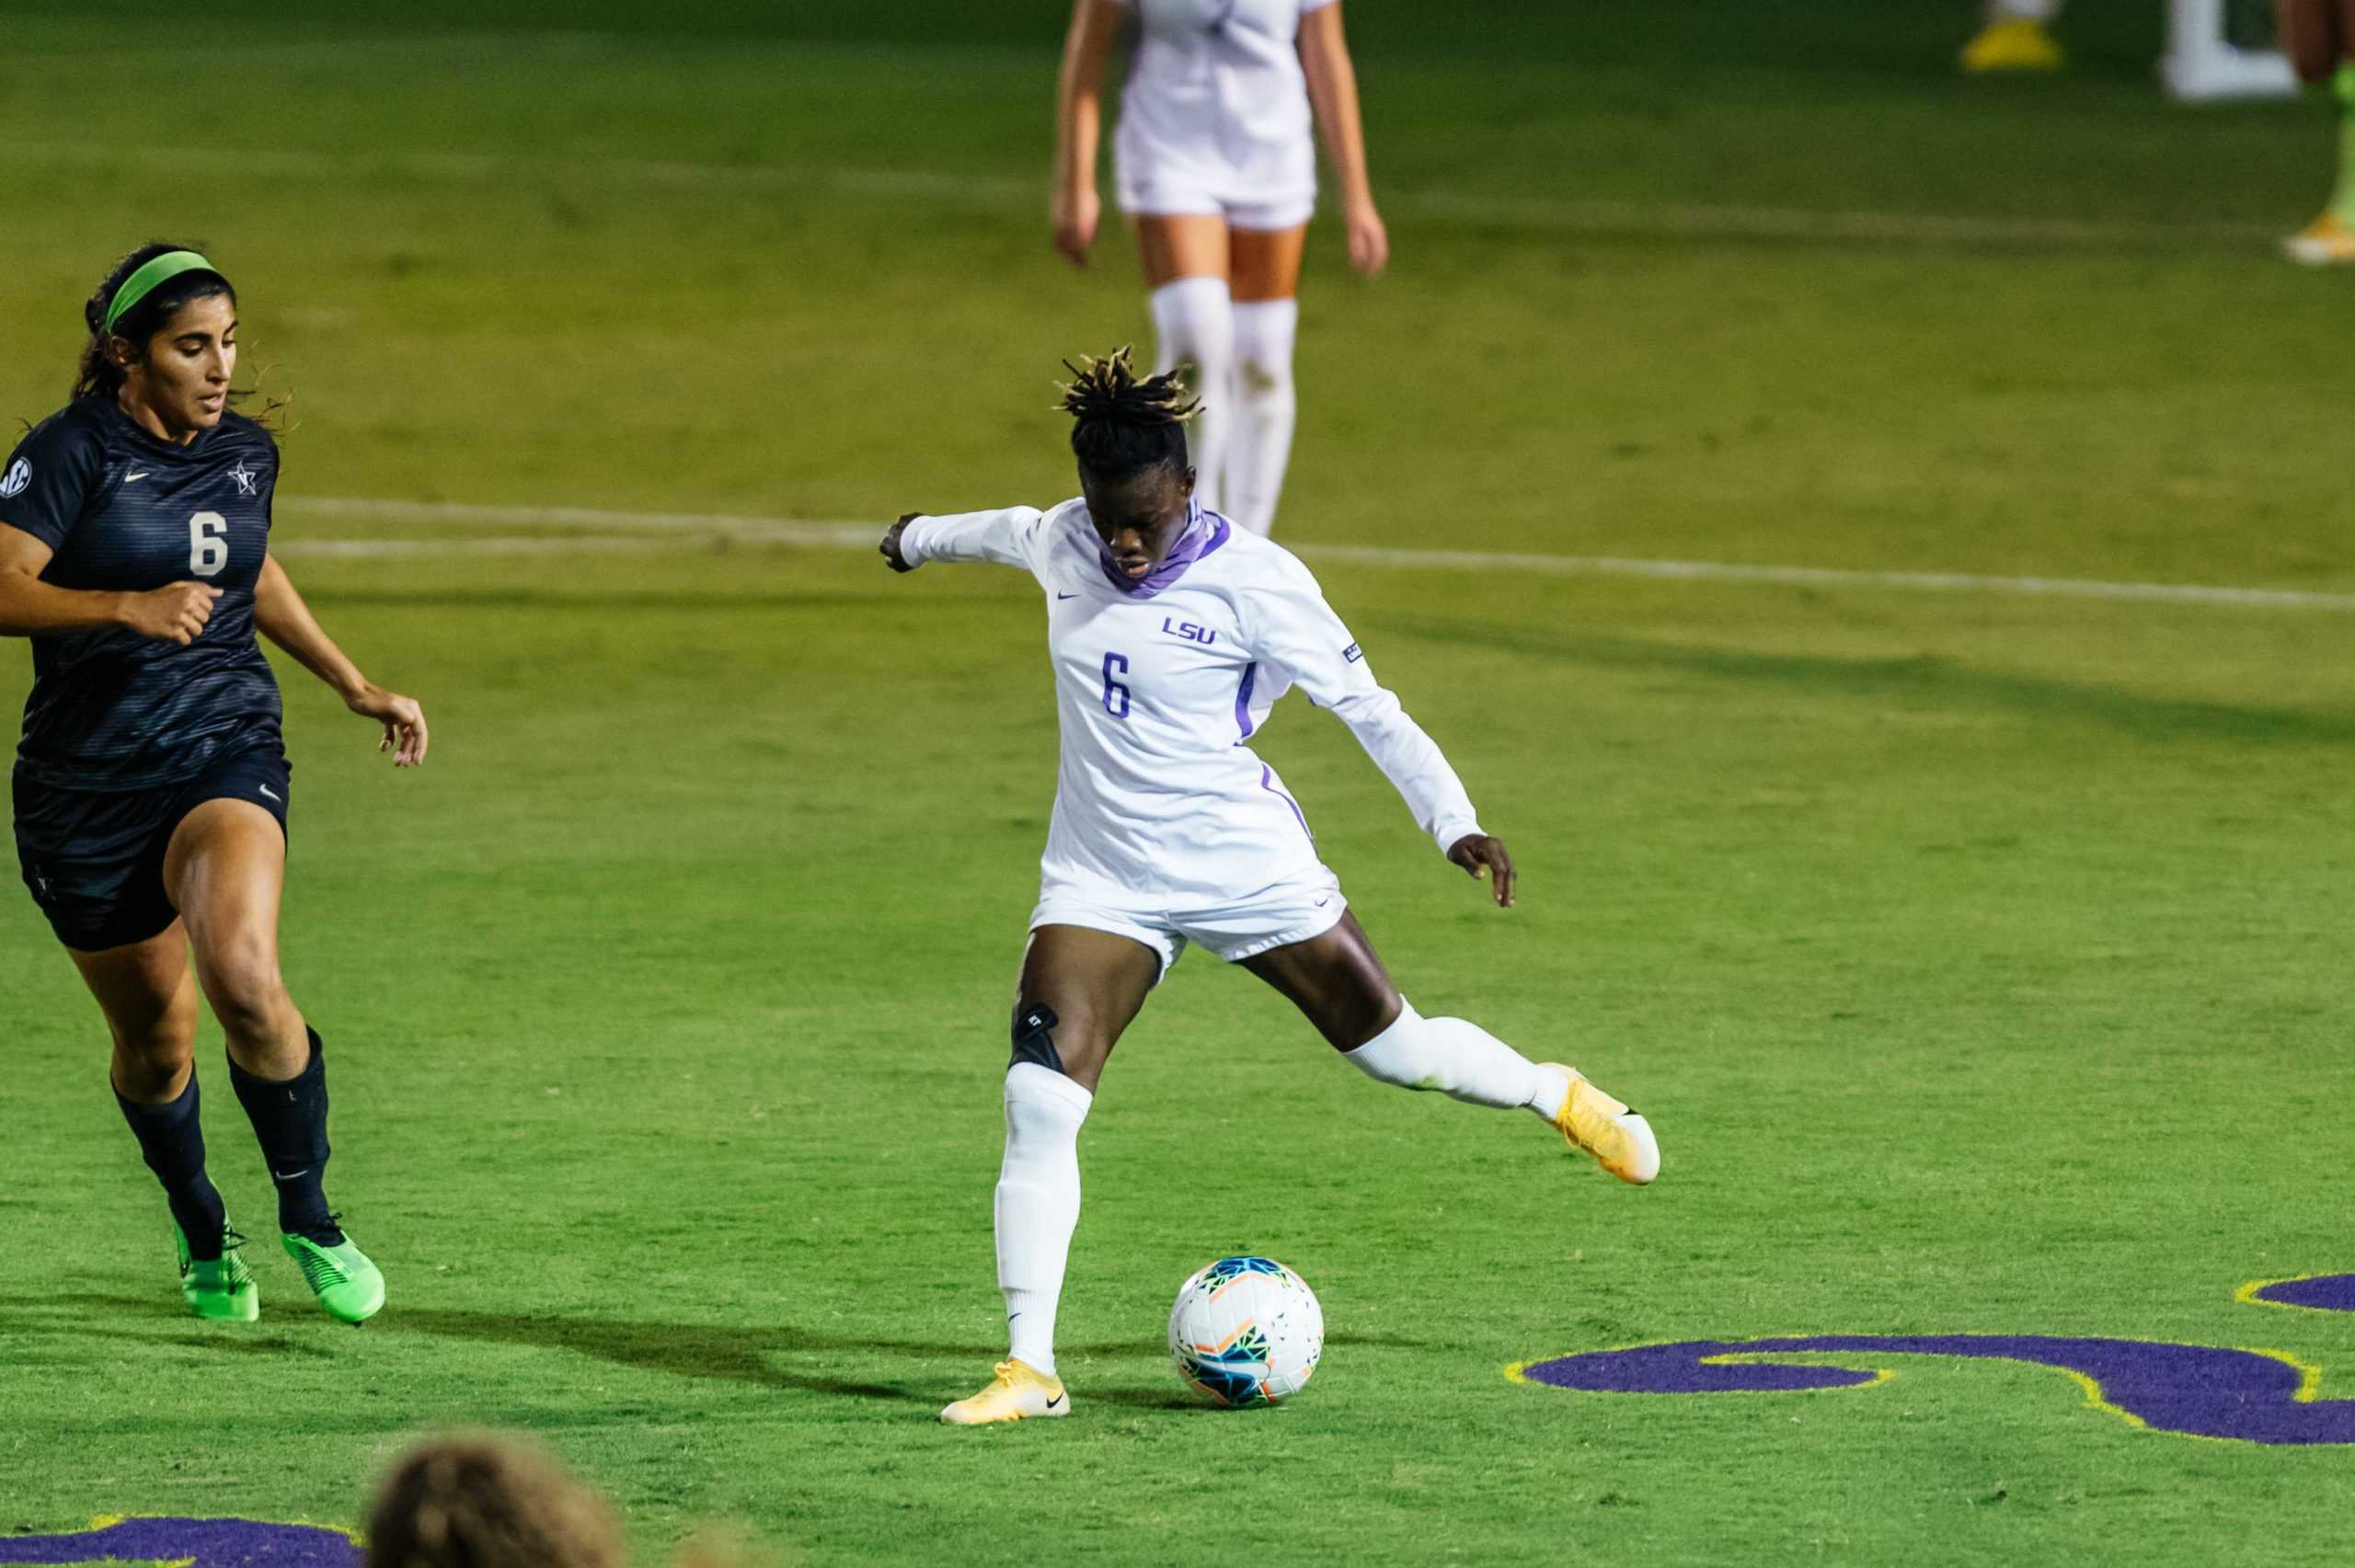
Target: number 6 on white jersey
(208,550)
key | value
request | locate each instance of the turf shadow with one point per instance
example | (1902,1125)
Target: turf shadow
(1147,1399)
(231,1338)
(682,1350)
(61,1315)
(132,1304)
(745,1355)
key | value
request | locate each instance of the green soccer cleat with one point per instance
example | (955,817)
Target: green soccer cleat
(351,1289)
(221,1289)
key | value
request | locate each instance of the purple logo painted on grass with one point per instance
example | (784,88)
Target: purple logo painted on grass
(2198,1390)
(2319,1292)
(2195,1389)
(205,1543)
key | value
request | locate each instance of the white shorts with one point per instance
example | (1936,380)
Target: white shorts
(1270,194)
(1273,917)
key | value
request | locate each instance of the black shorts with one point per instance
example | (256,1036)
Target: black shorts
(94,859)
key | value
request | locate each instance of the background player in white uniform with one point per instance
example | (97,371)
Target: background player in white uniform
(1172,633)
(1214,163)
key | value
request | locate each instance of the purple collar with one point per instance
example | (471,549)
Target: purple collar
(1204,532)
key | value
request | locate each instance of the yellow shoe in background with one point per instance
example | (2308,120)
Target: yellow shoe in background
(1017,1393)
(1620,1140)
(2327,241)
(2015,43)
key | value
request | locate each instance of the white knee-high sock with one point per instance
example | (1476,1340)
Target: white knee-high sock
(1193,323)
(1260,442)
(1038,1205)
(1461,1060)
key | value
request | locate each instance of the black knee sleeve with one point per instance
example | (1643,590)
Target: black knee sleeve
(1034,1036)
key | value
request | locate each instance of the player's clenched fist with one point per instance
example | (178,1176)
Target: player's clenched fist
(891,545)
(176,613)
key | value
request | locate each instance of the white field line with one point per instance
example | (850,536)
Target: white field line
(649,530)
(1536,213)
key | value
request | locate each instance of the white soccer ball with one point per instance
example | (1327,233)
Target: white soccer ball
(1247,1331)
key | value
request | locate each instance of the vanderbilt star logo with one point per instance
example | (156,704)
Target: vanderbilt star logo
(243,476)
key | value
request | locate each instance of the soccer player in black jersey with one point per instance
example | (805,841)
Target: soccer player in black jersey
(150,779)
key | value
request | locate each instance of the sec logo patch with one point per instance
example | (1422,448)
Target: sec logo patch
(19,475)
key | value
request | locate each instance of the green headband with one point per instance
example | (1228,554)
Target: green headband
(141,283)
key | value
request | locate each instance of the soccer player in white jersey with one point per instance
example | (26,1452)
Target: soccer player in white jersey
(1172,633)
(1213,162)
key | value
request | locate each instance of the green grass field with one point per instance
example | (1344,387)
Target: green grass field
(1981,958)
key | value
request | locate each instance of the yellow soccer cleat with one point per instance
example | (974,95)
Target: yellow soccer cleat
(2012,43)
(1620,1140)
(2327,241)
(1017,1393)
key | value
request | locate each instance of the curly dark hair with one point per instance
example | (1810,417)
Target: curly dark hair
(1124,423)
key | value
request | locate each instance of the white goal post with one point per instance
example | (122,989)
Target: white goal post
(2204,60)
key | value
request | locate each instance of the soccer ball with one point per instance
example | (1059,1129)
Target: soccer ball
(1247,1331)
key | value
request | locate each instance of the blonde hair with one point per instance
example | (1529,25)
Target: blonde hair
(485,1502)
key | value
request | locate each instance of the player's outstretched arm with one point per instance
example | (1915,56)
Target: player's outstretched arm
(284,619)
(1010,537)
(1290,627)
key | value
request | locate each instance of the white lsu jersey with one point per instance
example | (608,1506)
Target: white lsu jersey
(1216,103)
(1159,687)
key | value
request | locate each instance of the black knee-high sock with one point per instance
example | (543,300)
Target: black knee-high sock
(290,1118)
(172,1139)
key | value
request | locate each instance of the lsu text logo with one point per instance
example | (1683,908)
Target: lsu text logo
(1188,631)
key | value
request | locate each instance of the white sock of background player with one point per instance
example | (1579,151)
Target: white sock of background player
(1260,441)
(1462,1060)
(1193,323)
(1037,1205)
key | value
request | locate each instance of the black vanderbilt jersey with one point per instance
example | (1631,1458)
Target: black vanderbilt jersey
(124,511)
